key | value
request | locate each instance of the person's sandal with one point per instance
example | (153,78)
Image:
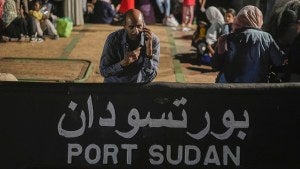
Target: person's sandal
(4,39)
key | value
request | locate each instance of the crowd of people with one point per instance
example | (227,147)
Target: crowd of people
(27,20)
(246,41)
(112,11)
(245,49)
(235,44)
(246,54)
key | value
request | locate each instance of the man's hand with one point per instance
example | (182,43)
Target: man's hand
(148,41)
(131,57)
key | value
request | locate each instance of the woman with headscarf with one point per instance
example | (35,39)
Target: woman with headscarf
(216,19)
(246,55)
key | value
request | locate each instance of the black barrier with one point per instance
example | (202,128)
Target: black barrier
(157,126)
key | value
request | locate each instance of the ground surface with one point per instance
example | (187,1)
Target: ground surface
(66,59)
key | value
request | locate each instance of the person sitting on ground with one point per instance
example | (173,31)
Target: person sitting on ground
(131,54)
(216,19)
(246,55)
(42,22)
(122,7)
(14,22)
(90,5)
(103,12)
(198,40)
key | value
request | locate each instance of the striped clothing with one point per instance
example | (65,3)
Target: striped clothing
(144,70)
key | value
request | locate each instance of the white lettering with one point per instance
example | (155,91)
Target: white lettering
(110,122)
(169,155)
(192,155)
(187,150)
(227,152)
(156,154)
(129,148)
(73,150)
(204,132)
(181,154)
(214,159)
(87,153)
(72,133)
(113,154)
(91,111)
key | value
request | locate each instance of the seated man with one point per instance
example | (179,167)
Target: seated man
(131,54)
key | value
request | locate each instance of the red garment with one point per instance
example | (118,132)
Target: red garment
(126,5)
(1,7)
(189,2)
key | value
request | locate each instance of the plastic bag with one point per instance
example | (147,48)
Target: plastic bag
(64,27)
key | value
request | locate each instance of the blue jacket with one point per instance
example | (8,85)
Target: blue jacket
(250,53)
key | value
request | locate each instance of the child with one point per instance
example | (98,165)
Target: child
(229,18)
(198,40)
(41,21)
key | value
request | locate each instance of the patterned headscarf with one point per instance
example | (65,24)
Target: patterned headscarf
(249,16)
(9,12)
